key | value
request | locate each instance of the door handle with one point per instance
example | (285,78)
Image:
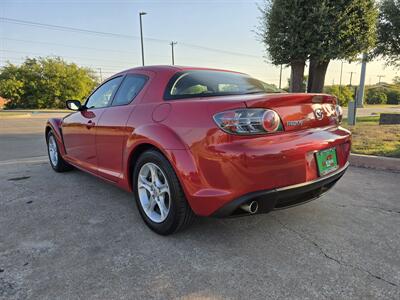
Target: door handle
(90,124)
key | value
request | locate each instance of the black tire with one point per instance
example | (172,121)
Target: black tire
(180,214)
(61,165)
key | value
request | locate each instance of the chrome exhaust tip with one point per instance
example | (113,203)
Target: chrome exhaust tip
(251,207)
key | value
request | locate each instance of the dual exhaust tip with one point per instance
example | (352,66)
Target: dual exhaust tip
(251,207)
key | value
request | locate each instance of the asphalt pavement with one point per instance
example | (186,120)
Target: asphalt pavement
(73,236)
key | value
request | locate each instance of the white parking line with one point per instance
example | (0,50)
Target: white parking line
(28,160)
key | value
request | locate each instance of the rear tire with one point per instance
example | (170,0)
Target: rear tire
(159,195)
(56,161)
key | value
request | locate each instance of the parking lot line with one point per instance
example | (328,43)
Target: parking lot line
(28,160)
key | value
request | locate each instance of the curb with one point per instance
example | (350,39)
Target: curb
(375,162)
(22,116)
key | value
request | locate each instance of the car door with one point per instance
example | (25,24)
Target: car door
(79,129)
(111,131)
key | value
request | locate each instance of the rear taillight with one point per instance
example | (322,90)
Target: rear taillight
(248,121)
(339,114)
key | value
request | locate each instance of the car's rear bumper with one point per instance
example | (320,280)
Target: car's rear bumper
(221,169)
(283,197)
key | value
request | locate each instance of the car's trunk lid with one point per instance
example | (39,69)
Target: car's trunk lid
(299,111)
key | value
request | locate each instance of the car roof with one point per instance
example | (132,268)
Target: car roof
(169,68)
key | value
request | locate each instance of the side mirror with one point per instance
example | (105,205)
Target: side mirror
(74,105)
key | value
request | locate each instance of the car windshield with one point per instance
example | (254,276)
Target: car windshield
(201,83)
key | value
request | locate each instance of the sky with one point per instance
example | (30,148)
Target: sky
(218,34)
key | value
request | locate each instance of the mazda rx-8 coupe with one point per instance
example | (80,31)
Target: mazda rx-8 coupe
(194,141)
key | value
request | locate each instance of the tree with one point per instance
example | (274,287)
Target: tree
(303,85)
(343,29)
(294,31)
(344,94)
(396,80)
(388,45)
(376,96)
(44,83)
(282,30)
(393,96)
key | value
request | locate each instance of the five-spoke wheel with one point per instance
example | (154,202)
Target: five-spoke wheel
(56,161)
(154,192)
(159,195)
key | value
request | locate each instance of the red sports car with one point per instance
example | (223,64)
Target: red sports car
(191,141)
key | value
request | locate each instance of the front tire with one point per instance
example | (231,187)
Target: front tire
(56,161)
(159,195)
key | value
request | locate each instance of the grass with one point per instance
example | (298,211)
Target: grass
(370,138)
(381,105)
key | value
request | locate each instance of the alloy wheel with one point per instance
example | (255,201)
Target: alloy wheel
(154,192)
(53,153)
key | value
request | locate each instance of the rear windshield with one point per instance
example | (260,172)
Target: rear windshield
(199,83)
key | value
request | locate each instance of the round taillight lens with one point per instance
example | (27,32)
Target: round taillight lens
(271,121)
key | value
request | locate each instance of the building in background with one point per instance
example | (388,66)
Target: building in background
(2,102)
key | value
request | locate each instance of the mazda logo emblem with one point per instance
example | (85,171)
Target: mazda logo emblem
(319,114)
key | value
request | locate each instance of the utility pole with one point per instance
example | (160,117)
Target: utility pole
(280,78)
(101,75)
(361,89)
(141,34)
(380,77)
(351,77)
(172,49)
(340,81)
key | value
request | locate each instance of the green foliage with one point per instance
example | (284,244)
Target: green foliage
(284,36)
(396,80)
(326,29)
(389,32)
(303,85)
(391,91)
(44,83)
(344,94)
(294,31)
(393,96)
(376,96)
(343,28)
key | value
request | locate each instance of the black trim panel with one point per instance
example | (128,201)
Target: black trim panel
(283,197)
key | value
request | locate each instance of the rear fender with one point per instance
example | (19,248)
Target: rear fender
(157,135)
(55,125)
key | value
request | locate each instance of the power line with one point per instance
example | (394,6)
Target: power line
(69,46)
(380,78)
(219,50)
(73,57)
(65,28)
(117,35)
(105,68)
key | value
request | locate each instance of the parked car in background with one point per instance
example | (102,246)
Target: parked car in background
(192,141)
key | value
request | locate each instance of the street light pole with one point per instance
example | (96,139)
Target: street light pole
(280,78)
(172,49)
(141,34)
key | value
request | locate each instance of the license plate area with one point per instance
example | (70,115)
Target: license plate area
(326,161)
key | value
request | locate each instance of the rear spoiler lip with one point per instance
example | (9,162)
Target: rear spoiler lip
(279,100)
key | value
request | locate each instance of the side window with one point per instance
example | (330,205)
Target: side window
(130,87)
(103,95)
